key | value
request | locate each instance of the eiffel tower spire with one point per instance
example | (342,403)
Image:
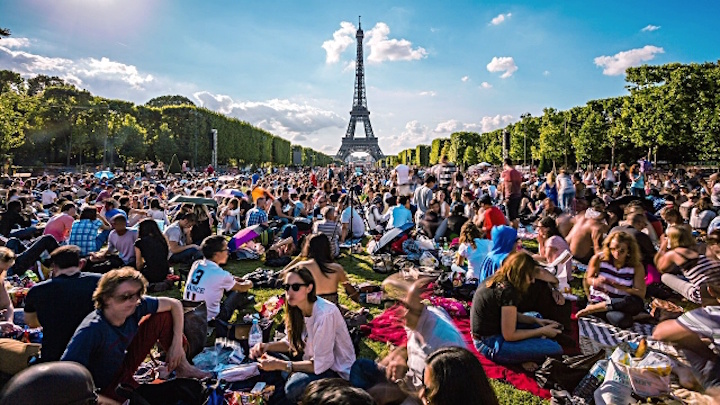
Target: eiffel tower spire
(359,112)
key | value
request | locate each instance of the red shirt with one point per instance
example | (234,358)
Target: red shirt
(493,217)
(513,183)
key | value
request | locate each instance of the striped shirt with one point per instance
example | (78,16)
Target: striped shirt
(623,276)
(700,272)
(445,174)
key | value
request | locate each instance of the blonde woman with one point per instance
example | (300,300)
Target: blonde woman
(550,188)
(615,281)
(678,256)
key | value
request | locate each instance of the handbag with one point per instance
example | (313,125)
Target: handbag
(195,327)
(566,374)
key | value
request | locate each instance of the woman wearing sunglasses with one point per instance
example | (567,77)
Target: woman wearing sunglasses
(316,329)
(615,281)
(113,340)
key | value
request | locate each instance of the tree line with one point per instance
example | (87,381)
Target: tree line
(44,120)
(671,114)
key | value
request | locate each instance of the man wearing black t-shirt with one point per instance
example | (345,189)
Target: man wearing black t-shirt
(60,304)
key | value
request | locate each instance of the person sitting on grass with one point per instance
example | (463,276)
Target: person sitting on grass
(314,328)
(678,255)
(615,281)
(693,332)
(472,248)
(208,282)
(455,376)
(502,334)
(151,252)
(327,273)
(401,372)
(115,339)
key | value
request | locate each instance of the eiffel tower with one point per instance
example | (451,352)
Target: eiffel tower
(359,112)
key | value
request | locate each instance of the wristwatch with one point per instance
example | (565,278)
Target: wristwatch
(288,367)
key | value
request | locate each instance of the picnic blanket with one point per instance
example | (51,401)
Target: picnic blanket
(388,327)
(596,334)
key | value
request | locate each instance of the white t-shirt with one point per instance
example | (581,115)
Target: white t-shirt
(48,197)
(715,196)
(403,174)
(327,340)
(358,226)
(207,282)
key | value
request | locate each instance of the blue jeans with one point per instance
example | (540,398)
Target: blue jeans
(27,257)
(296,384)
(566,200)
(497,349)
(187,256)
(637,192)
(25,233)
(365,373)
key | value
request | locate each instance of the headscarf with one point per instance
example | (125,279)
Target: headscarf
(503,239)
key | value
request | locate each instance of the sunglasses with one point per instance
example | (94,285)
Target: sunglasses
(295,286)
(129,297)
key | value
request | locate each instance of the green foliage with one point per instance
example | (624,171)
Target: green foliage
(45,120)
(174,167)
(470,156)
(435,150)
(164,101)
(422,155)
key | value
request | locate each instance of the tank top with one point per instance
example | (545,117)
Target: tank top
(604,292)
(700,272)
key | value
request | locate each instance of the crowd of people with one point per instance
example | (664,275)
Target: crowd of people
(639,232)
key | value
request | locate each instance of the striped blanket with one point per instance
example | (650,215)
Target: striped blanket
(596,334)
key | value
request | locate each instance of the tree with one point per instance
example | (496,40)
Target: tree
(164,101)
(470,157)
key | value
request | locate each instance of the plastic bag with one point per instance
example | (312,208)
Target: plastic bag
(615,390)
(428,260)
(650,376)
(240,372)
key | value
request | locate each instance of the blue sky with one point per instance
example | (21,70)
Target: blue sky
(432,67)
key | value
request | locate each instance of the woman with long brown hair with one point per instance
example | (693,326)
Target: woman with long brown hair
(615,281)
(327,273)
(495,317)
(314,328)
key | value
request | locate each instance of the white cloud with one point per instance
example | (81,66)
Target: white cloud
(281,117)
(380,47)
(15,42)
(384,49)
(617,64)
(465,79)
(434,30)
(546,73)
(428,93)
(500,19)
(485,85)
(486,124)
(82,71)
(349,66)
(502,64)
(447,127)
(650,28)
(342,39)
(414,134)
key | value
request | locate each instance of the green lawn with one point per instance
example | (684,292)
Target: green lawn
(359,269)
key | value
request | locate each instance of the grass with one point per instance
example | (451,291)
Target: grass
(359,270)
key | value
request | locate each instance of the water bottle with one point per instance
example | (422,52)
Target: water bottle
(256,335)
(445,244)
(587,386)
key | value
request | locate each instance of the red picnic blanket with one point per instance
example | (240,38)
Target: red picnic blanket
(388,327)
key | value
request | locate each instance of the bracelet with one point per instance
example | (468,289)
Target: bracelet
(289,367)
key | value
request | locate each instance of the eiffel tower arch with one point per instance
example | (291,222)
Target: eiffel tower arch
(359,113)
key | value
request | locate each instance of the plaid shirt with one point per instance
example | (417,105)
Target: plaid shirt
(83,234)
(256,216)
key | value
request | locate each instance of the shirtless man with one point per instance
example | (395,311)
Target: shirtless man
(586,236)
(566,222)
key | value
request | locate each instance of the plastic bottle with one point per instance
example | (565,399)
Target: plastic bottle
(445,244)
(255,335)
(592,381)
